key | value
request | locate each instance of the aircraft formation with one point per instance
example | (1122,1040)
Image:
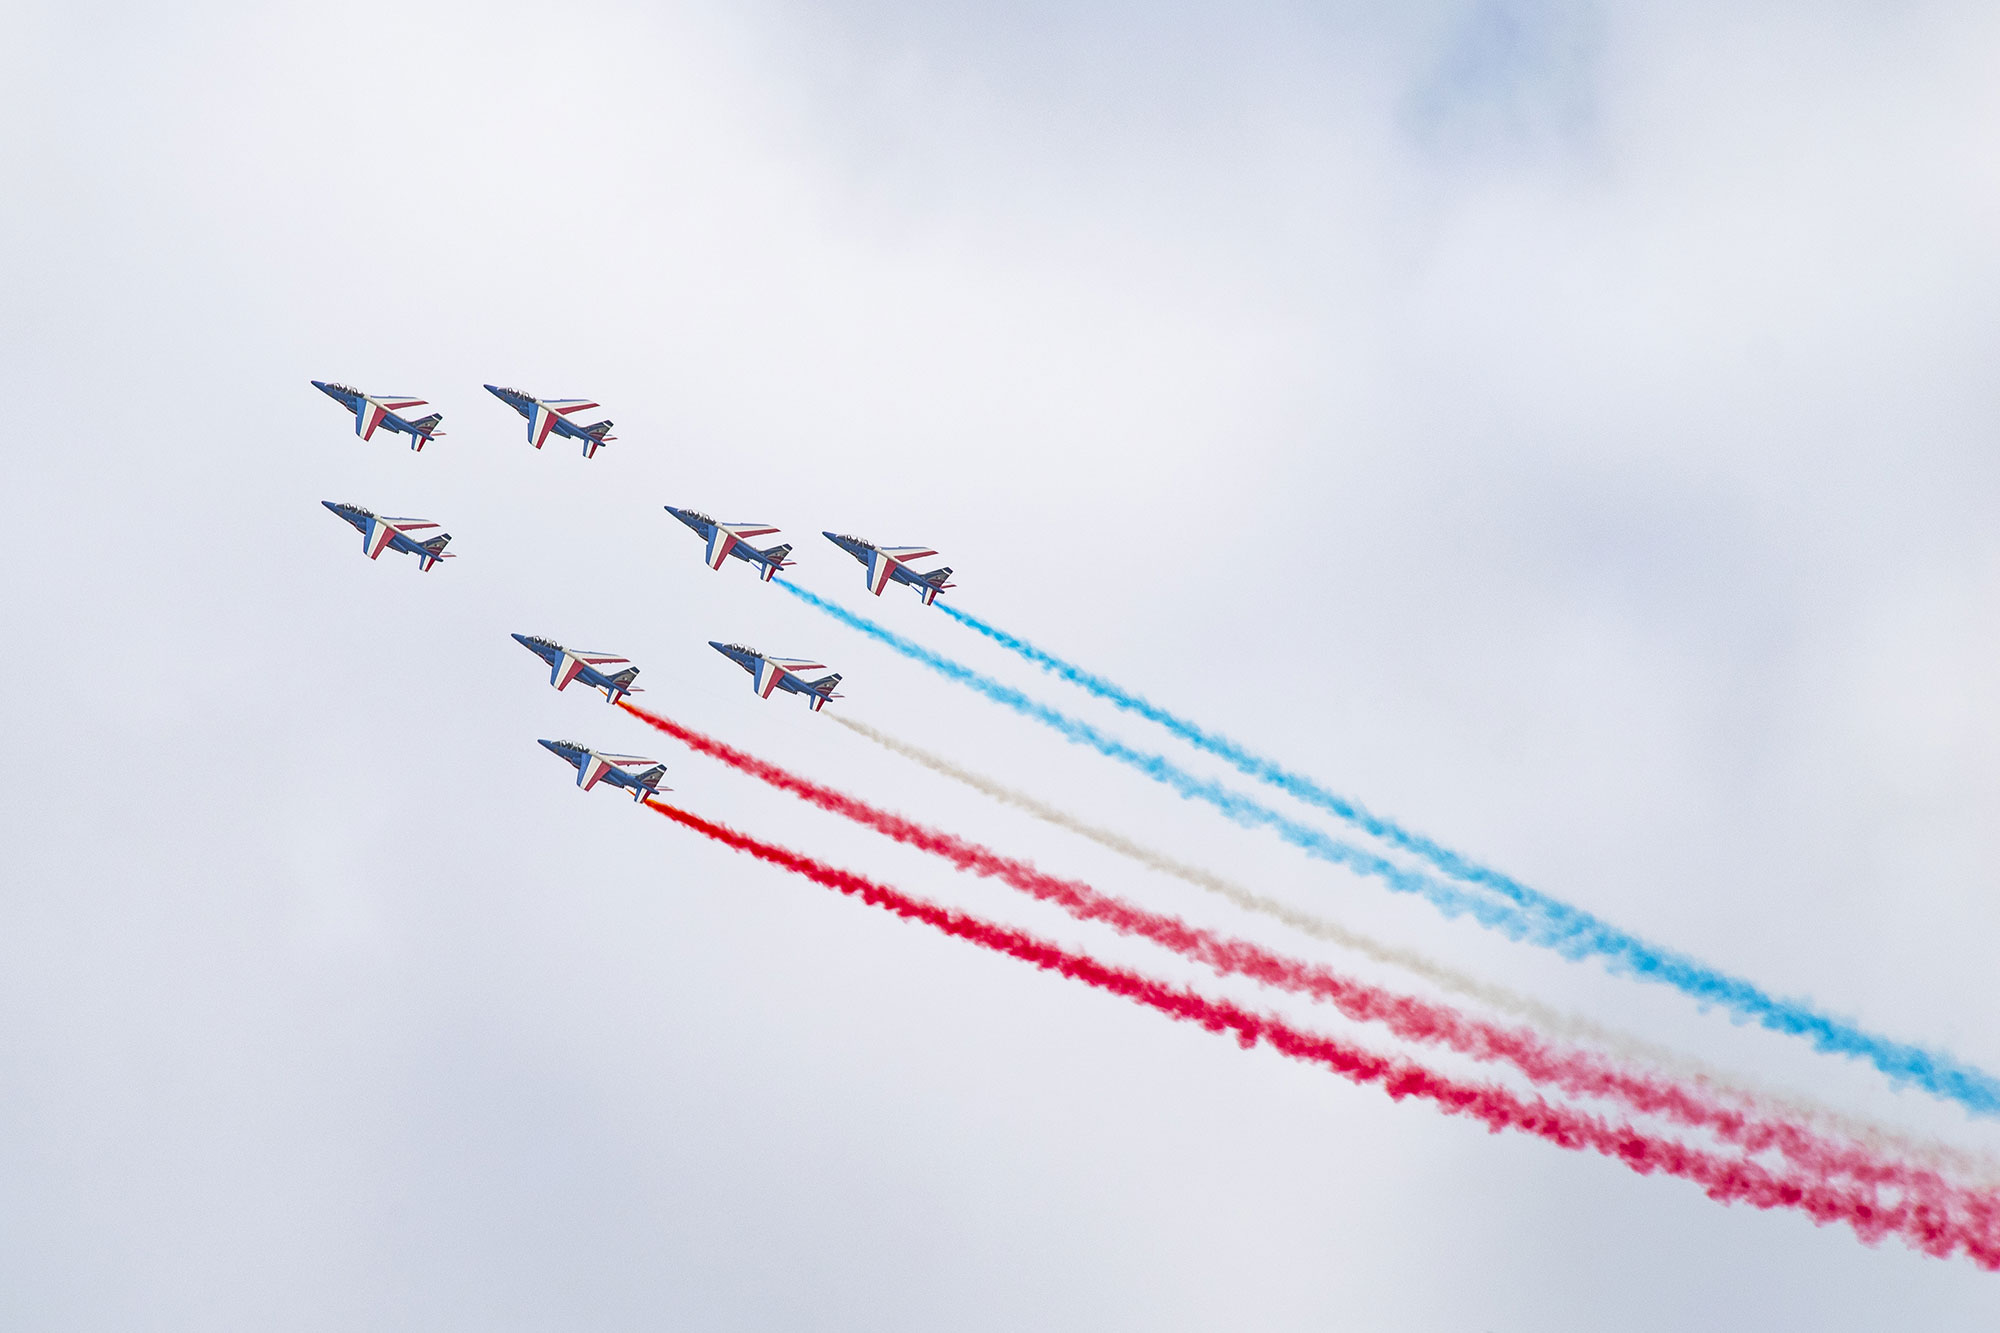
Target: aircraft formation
(1656,1112)
(608,672)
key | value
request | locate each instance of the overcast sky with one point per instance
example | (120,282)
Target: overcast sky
(1569,428)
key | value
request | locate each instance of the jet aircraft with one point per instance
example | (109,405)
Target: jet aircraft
(888,564)
(371,412)
(379,534)
(727,539)
(546,415)
(599,671)
(781,673)
(639,776)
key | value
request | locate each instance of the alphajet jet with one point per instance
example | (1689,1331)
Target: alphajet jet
(380,534)
(371,412)
(781,673)
(888,564)
(639,776)
(599,671)
(727,539)
(546,415)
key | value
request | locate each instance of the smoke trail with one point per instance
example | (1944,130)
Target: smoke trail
(1575,935)
(1724,1179)
(1878,1138)
(1573,1071)
(1264,770)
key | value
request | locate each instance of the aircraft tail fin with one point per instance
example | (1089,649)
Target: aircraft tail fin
(600,432)
(433,551)
(621,685)
(822,690)
(935,583)
(774,560)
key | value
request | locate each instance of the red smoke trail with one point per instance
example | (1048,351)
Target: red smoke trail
(1577,1072)
(1723,1179)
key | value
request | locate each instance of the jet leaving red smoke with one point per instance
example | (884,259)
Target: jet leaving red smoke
(1577,1072)
(1724,1179)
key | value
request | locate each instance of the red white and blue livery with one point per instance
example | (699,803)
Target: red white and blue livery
(733,539)
(891,564)
(379,534)
(598,671)
(551,416)
(635,774)
(769,674)
(374,412)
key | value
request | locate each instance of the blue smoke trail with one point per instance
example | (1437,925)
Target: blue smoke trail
(1575,935)
(1269,771)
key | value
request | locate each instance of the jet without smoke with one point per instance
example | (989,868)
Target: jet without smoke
(379,534)
(372,412)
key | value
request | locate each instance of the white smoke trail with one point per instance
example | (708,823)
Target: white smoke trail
(1573,1027)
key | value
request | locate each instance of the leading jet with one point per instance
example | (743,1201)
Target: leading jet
(887,564)
(599,671)
(639,776)
(371,412)
(379,534)
(546,415)
(727,539)
(781,673)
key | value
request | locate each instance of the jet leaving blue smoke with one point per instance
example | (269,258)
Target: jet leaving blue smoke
(1574,933)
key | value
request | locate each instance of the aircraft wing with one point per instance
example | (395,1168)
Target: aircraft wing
(572,665)
(382,531)
(722,537)
(772,671)
(541,420)
(883,561)
(372,411)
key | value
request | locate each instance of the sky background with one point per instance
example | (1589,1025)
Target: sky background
(1569,428)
